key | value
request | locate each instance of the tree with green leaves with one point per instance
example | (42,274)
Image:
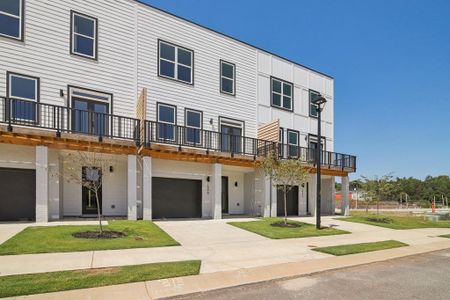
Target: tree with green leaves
(285,174)
(378,188)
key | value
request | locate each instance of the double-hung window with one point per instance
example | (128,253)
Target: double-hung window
(166,122)
(84,35)
(11,19)
(313,143)
(227,78)
(293,147)
(281,94)
(193,119)
(24,94)
(175,62)
(313,95)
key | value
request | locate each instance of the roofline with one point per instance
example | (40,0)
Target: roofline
(230,37)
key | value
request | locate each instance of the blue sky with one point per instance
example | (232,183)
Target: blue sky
(390,61)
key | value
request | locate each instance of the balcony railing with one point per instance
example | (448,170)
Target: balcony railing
(61,119)
(66,119)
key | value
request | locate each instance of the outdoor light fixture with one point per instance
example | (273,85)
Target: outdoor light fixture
(235,183)
(207,178)
(318,102)
(211,121)
(111,169)
(61,93)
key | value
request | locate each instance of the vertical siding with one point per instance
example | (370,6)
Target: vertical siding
(204,95)
(45,53)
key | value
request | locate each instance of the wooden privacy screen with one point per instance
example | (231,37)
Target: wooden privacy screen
(270,131)
(141,113)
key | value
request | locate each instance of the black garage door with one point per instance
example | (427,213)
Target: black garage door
(291,202)
(176,198)
(17,194)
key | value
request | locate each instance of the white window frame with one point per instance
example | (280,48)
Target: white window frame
(158,105)
(311,92)
(36,87)
(222,62)
(175,62)
(188,110)
(21,23)
(73,33)
(282,95)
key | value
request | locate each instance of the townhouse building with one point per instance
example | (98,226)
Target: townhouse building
(183,111)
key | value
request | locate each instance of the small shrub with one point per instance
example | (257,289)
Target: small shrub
(384,220)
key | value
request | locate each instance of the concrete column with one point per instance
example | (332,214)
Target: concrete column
(333,195)
(147,187)
(41,184)
(216,184)
(266,194)
(274,194)
(345,209)
(132,187)
(312,193)
(302,200)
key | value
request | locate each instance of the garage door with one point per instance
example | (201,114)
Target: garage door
(291,202)
(176,198)
(17,194)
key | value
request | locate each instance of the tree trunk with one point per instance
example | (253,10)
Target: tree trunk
(285,205)
(367,206)
(98,212)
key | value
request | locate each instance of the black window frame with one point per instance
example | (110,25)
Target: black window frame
(186,110)
(21,37)
(310,92)
(289,145)
(283,82)
(312,137)
(72,34)
(36,101)
(175,78)
(221,75)
(158,104)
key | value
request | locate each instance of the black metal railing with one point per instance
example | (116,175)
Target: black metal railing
(66,119)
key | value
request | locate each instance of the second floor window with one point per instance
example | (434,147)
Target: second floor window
(24,92)
(11,19)
(166,122)
(293,138)
(84,35)
(193,126)
(175,62)
(281,94)
(227,77)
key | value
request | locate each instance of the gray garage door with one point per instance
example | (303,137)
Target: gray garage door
(291,201)
(176,198)
(17,194)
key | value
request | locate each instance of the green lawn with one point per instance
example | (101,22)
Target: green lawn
(263,227)
(395,220)
(16,285)
(43,239)
(360,248)
(445,236)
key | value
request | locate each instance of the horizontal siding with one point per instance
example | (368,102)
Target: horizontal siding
(46,51)
(208,49)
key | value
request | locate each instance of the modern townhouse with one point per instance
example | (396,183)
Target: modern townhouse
(185,112)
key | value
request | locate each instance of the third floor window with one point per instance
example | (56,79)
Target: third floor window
(11,19)
(227,77)
(84,35)
(281,94)
(175,62)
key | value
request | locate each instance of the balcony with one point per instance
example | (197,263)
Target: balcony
(76,122)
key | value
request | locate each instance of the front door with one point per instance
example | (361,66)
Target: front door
(231,139)
(224,194)
(89,203)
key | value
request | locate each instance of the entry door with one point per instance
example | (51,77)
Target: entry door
(89,116)
(89,203)
(224,194)
(291,202)
(231,139)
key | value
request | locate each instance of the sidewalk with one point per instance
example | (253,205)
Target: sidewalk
(218,280)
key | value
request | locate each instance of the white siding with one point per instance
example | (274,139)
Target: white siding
(204,94)
(45,53)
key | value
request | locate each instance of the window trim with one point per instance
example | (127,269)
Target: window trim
(21,17)
(221,61)
(71,88)
(175,78)
(38,92)
(186,110)
(310,91)
(281,135)
(289,145)
(313,137)
(72,35)
(158,104)
(272,78)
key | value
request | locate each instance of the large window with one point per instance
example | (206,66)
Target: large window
(231,135)
(84,35)
(11,19)
(293,146)
(166,121)
(281,94)
(193,121)
(227,77)
(175,62)
(24,93)
(313,95)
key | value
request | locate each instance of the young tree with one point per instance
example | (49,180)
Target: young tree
(285,174)
(85,169)
(378,189)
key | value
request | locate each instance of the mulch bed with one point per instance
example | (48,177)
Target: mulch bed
(98,235)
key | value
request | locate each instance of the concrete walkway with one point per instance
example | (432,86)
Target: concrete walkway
(212,281)
(220,247)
